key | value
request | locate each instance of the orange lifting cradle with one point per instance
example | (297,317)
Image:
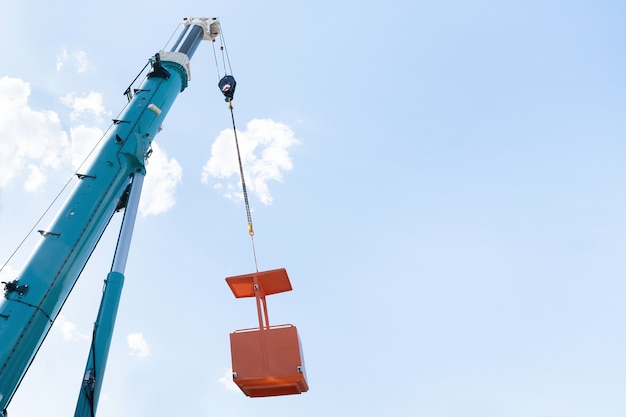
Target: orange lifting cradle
(267,360)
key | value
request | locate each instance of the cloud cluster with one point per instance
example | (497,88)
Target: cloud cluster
(88,112)
(77,60)
(31,141)
(91,104)
(163,175)
(264,148)
(68,329)
(7,273)
(138,345)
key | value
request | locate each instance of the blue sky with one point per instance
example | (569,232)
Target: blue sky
(443,181)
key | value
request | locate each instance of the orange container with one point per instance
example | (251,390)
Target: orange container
(267,360)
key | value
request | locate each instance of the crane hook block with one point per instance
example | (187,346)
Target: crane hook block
(227,86)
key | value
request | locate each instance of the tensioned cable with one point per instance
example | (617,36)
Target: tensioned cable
(227,86)
(243,186)
(225,57)
(217,68)
(69,180)
(89,393)
(67,183)
(172,36)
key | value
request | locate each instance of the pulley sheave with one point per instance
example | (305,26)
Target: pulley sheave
(227,86)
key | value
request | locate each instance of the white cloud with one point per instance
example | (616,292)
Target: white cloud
(138,345)
(33,142)
(35,179)
(227,381)
(82,63)
(68,329)
(264,148)
(91,104)
(84,139)
(77,60)
(8,274)
(162,177)
(60,59)
(27,137)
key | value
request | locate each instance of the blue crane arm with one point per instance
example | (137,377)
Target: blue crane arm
(33,300)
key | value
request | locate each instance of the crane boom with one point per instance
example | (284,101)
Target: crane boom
(33,300)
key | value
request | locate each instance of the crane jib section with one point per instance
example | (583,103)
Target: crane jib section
(33,300)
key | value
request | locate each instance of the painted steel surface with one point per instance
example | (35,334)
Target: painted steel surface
(52,270)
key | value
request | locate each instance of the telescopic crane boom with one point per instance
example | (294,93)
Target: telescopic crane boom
(34,298)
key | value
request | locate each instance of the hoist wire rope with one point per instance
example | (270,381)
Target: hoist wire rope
(217,68)
(243,185)
(222,48)
(225,57)
(244,188)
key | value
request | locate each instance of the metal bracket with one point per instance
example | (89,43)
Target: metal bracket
(46,233)
(83,176)
(12,286)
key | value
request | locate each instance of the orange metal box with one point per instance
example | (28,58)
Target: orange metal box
(270,282)
(268,362)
